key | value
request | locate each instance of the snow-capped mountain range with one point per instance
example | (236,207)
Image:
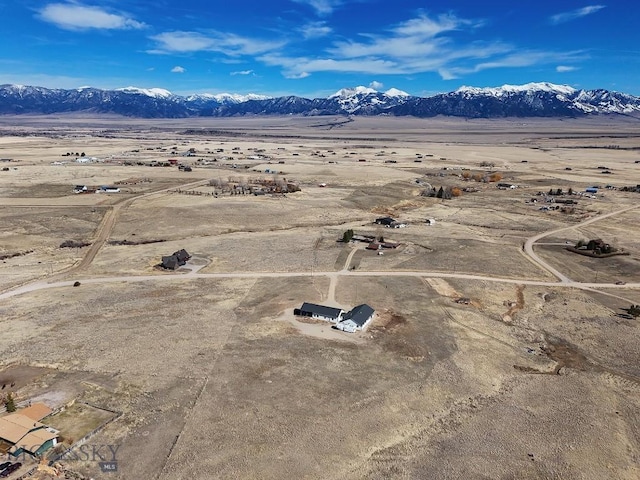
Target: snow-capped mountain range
(530,100)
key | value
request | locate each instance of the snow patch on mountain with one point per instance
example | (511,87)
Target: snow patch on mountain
(149,92)
(526,88)
(394,92)
(352,92)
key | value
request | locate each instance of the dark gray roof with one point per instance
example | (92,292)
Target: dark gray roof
(323,310)
(359,315)
(182,255)
(171,262)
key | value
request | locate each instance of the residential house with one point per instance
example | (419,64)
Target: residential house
(386,221)
(24,435)
(175,260)
(356,319)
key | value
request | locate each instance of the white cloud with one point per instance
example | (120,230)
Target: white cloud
(565,68)
(315,30)
(75,16)
(322,7)
(297,76)
(418,45)
(226,43)
(573,14)
(242,72)
(178,69)
(376,85)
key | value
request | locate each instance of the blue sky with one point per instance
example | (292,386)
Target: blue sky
(314,47)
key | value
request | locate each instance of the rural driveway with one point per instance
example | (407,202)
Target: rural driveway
(528,245)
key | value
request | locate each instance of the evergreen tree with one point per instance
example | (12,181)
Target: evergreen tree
(10,403)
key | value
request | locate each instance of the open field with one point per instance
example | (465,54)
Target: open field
(534,375)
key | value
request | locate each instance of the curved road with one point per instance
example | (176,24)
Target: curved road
(528,245)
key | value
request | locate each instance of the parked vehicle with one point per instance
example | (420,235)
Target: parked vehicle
(10,469)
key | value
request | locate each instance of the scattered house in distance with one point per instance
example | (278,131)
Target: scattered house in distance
(177,259)
(108,189)
(376,245)
(398,224)
(79,189)
(507,186)
(591,190)
(386,221)
(430,221)
(363,238)
(321,312)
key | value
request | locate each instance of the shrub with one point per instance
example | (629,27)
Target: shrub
(347,236)
(74,244)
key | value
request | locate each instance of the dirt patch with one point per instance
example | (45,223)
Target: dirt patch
(565,354)
(442,287)
(394,334)
(514,307)
(20,376)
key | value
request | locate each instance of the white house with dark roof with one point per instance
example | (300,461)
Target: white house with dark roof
(352,321)
(356,319)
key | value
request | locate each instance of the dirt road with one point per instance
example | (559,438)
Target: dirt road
(528,245)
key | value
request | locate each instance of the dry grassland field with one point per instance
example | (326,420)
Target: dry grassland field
(495,352)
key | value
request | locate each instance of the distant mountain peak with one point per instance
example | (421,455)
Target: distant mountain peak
(394,92)
(351,92)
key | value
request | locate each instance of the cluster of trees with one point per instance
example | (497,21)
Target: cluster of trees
(482,177)
(71,154)
(445,193)
(247,185)
(559,191)
(596,246)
